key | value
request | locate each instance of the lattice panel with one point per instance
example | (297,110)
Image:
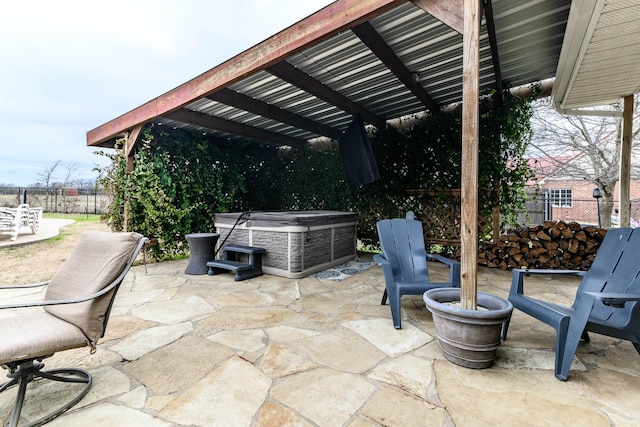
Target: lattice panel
(439,212)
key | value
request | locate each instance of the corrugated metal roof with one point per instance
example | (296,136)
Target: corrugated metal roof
(529,38)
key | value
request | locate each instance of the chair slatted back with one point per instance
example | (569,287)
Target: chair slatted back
(615,269)
(402,244)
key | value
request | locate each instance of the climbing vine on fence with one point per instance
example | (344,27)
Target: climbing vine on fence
(181,179)
(427,155)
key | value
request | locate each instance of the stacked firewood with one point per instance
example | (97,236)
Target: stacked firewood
(552,245)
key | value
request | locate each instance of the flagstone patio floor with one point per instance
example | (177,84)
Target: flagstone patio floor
(185,350)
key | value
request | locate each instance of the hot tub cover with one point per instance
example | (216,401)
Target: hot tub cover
(287,218)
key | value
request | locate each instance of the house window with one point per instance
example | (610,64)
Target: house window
(561,198)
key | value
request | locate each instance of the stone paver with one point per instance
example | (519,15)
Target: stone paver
(281,361)
(522,397)
(271,414)
(324,396)
(143,342)
(186,350)
(409,373)
(382,334)
(520,358)
(136,398)
(174,311)
(229,396)
(392,408)
(109,414)
(342,350)
(178,365)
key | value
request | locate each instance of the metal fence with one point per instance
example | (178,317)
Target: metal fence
(584,212)
(58,200)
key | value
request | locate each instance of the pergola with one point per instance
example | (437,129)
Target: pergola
(387,59)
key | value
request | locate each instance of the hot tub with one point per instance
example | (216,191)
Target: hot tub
(297,243)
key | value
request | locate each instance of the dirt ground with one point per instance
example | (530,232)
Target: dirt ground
(38,262)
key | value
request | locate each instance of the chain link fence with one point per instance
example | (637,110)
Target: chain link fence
(57,200)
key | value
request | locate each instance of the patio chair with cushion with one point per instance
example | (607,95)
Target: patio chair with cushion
(404,262)
(606,301)
(74,314)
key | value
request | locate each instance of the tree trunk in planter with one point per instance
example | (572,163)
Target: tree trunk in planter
(469,338)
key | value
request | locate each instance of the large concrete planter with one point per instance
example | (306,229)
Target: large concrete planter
(468,338)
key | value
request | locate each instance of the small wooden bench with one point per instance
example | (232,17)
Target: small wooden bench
(231,262)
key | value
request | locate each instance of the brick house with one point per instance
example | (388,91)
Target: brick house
(571,199)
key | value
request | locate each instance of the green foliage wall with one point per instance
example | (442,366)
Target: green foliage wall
(181,179)
(427,155)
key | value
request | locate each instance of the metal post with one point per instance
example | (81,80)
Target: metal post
(597,194)
(547,207)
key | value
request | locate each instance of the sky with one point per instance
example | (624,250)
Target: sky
(68,66)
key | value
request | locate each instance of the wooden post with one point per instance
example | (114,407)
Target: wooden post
(130,141)
(470,147)
(625,162)
(495,227)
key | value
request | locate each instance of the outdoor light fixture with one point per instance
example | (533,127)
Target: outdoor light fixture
(597,194)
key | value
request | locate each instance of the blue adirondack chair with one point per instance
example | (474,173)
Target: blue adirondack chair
(404,262)
(606,301)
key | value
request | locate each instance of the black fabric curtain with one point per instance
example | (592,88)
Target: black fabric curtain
(357,155)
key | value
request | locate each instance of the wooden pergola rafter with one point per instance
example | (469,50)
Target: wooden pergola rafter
(493,44)
(287,72)
(381,49)
(264,109)
(212,122)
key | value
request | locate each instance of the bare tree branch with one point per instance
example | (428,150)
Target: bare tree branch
(584,147)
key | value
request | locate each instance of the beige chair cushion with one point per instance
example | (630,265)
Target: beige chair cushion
(36,334)
(95,262)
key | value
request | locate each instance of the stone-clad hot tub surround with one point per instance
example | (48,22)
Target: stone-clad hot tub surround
(297,243)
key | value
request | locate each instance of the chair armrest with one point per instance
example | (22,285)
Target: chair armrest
(613,299)
(65,301)
(454,268)
(531,272)
(517,281)
(30,285)
(449,262)
(380,259)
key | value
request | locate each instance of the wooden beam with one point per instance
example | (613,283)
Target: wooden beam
(493,43)
(324,24)
(625,162)
(130,141)
(255,106)
(299,78)
(447,11)
(223,125)
(381,49)
(470,148)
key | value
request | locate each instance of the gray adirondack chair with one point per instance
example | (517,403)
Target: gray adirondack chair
(404,262)
(606,301)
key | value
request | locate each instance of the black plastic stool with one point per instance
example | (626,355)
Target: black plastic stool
(202,247)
